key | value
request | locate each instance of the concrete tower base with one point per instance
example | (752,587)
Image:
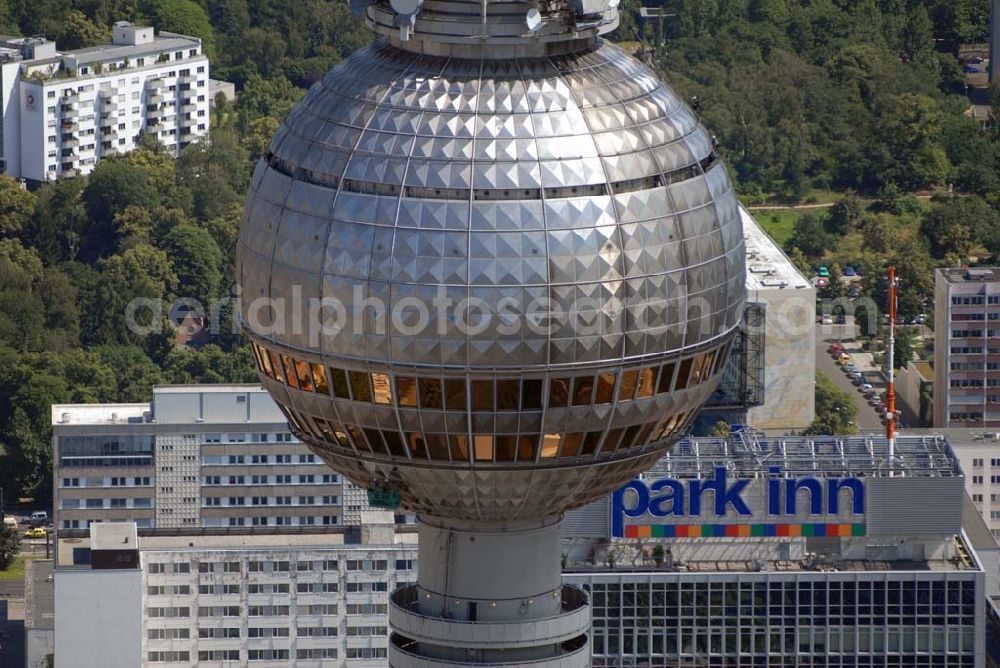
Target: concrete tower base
(489,594)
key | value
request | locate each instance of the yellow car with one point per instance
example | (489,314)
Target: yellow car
(843,359)
(37,532)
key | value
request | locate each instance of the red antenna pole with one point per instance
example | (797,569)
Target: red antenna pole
(890,418)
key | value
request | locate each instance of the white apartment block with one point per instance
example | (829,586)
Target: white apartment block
(215,600)
(63,111)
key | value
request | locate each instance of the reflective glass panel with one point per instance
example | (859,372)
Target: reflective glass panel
(319,379)
(682,374)
(627,388)
(375,441)
(590,443)
(527,447)
(275,366)
(531,394)
(666,377)
(360,389)
(559,393)
(418,446)
(484,447)
(437,446)
(381,388)
(571,445)
(583,390)
(304,375)
(406,390)
(338,379)
(611,440)
(507,397)
(459,444)
(709,362)
(394,443)
(359,438)
(454,394)
(550,446)
(506,448)
(647,383)
(482,395)
(699,362)
(430,393)
(289,371)
(605,388)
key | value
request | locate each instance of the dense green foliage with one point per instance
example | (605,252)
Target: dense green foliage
(836,410)
(828,94)
(803,95)
(10,546)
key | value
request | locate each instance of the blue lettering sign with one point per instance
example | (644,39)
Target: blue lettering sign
(677,499)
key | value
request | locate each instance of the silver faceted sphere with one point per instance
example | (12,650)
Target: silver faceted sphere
(529,273)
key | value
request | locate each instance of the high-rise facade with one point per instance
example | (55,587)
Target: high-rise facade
(967,348)
(63,111)
(196,456)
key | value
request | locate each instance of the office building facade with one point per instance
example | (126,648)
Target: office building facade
(967,348)
(906,589)
(64,111)
(196,456)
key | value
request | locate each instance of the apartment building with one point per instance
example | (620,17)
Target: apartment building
(967,347)
(63,111)
(196,456)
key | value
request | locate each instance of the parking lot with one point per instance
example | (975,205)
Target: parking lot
(867,417)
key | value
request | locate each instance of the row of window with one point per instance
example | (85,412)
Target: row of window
(531,447)
(303,479)
(274,521)
(489,395)
(974,300)
(281,566)
(225,460)
(216,501)
(143,481)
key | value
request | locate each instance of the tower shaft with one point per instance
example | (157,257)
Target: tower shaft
(489,594)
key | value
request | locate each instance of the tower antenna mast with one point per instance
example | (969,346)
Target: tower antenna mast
(890,417)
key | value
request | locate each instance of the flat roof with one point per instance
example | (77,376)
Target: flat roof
(104,52)
(207,389)
(768,268)
(970,274)
(39,595)
(97,413)
(750,454)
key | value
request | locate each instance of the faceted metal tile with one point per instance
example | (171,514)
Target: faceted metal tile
(569,187)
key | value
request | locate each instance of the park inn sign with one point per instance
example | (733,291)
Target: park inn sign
(720,506)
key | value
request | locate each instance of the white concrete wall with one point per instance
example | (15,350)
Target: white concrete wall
(98,618)
(10,113)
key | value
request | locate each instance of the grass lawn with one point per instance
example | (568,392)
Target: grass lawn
(779,223)
(16,570)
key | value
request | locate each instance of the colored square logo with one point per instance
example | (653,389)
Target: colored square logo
(858,530)
(745,531)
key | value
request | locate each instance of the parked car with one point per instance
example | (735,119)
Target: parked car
(823,272)
(975,60)
(36,532)
(827,320)
(835,349)
(853,293)
(866,388)
(843,359)
(973,69)
(822,282)
(849,271)
(849,368)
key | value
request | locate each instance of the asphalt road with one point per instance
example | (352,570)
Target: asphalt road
(867,419)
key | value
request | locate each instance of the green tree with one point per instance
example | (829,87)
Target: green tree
(78,32)
(182,16)
(905,349)
(721,429)
(196,260)
(810,236)
(836,410)
(114,186)
(17,207)
(845,214)
(10,546)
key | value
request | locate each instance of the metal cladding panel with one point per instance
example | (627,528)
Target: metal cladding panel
(915,506)
(175,407)
(593,520)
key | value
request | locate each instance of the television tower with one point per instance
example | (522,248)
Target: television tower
(529,266)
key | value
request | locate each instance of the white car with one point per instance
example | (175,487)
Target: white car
(866,387)
(827,319)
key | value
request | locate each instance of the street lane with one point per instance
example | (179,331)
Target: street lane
(867,419)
